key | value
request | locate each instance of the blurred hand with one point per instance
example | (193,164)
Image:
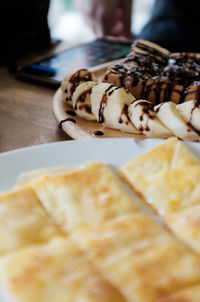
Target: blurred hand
(107,17)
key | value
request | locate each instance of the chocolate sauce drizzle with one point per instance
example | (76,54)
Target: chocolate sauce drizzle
(196,105)
(98,133)
(103,103)
(193,128)
(148,110)
(81,99)
(157,76)
(158,109)
(86,107)
(72,113)
(111,92)
(125,113)
(76,79)
(66,120)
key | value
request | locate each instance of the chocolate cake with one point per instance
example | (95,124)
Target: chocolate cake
(153,73)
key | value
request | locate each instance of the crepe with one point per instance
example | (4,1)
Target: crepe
(107,250)
(23,221)
(139,257)
(168,177)
(191,294)
(56,271)
(24,178)
(88,196)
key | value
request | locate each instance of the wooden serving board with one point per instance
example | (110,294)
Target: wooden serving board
(81,128)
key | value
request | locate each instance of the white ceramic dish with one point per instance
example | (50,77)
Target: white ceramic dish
(113,152)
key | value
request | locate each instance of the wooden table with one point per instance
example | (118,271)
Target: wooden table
(26,116)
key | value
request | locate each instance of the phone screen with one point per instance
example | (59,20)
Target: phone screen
(83,56)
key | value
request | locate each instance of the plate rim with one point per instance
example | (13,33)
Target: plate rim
(72,153)
(73,142)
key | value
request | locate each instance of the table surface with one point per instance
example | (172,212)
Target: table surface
(26,116)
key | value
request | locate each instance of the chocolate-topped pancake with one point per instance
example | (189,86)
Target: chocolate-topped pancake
(158,90)
(153,73)
(127,76)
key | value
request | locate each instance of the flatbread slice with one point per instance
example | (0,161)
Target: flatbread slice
(56,271)
(25,177)
(23,221)
(168,177)
(139,257)
(191,294)
(88,196)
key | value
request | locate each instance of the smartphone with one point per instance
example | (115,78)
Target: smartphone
(52,70)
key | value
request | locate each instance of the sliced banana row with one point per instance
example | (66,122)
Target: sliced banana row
(143,116)
(166,119)
(106,103)
(170,117)
(116,107)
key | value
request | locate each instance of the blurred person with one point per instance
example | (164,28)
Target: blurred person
(107,17)
(174,24)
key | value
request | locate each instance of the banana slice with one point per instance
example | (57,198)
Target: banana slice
(81,100)
(70,82)
(110,106)
(169,116)
(190,112)
(144,118)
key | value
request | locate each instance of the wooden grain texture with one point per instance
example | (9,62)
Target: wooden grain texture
(26,116)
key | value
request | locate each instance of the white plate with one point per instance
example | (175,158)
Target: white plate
(114,152)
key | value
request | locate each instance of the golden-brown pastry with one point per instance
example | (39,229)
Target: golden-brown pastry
(161,90)
(56,271)
(23,221)
(88,196)
(143,63)
(123,76)
(168,177)
(153,73)
(139,258)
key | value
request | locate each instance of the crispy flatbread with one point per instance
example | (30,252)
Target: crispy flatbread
(56,271)
(139,257)
(168,177)
(88,196)
(23,221)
